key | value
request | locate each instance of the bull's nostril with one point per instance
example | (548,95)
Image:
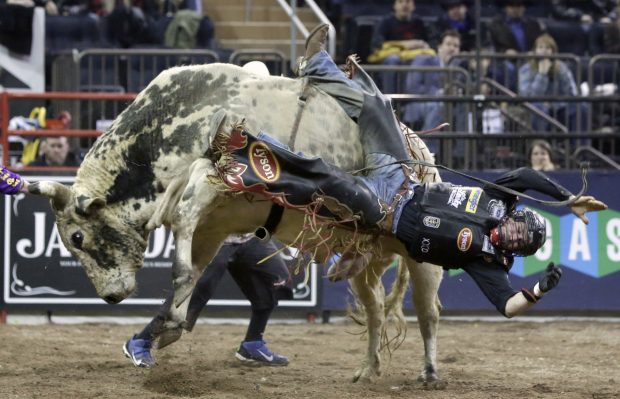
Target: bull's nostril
(111,299)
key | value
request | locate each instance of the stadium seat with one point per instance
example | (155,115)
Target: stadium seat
(538,9)
(568,35)
(359,33)
(354,8)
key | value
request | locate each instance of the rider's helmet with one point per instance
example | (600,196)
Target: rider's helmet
(520,233)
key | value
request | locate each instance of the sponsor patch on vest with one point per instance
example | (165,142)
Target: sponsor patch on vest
(464,239)
(431,221)
(457,196)
(425,246)
(473,200)
(497,208)
(264,163)
(487,246)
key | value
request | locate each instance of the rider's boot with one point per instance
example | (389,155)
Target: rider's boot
(314,43)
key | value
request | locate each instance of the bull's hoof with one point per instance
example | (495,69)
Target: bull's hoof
(430,380)
(366,375)
(169,336)
(438,385)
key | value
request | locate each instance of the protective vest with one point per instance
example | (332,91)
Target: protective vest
(449,225)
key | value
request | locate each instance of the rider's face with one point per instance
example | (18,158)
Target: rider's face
(514,235)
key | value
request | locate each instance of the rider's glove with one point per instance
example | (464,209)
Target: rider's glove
(550,278)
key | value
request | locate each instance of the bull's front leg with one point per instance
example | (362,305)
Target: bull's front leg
(198,199)
(426,279)
(370,293)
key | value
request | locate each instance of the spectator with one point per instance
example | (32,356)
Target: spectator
(611,38)
(513,32)
(427,114)
(540,156)
(397,38)
(457,18)
(591,15)
(549,77)
(55,152)
(127,25)
(92,8)
(501,71)
(584,11)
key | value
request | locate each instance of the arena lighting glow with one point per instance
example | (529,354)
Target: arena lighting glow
(592,249)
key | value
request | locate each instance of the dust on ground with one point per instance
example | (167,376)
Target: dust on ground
(563,359)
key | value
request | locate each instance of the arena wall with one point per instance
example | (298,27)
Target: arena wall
(39,273)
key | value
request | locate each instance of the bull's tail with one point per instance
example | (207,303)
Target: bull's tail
(394,307)
(393,310)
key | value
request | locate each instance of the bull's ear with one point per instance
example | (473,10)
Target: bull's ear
(87,205)
(58,193)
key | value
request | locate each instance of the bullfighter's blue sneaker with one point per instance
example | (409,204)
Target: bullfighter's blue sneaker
(139,351)
(257,352)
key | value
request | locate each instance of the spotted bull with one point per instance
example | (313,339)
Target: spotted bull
(154,167)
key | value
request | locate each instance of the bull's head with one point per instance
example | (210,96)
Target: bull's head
(110,248)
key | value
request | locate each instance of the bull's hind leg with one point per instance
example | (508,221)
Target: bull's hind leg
(370,293)
(426,279)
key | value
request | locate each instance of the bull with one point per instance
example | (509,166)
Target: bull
(155,166)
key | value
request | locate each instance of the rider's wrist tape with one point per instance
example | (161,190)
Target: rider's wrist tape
(537,291)
(531,298)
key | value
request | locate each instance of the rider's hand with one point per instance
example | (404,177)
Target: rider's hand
(544,66)
(550,278)
(585,204)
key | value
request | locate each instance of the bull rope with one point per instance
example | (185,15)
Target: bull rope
(568,202)
(302,99)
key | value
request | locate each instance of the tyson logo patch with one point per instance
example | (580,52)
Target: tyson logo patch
(264,163)
(464,239)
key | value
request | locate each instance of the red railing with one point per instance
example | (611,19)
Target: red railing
(7,96)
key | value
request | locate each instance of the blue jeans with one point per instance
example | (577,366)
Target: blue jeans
(385,181)
(329,78)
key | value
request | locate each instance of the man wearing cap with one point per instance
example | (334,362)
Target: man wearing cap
(456,17)
(513,32)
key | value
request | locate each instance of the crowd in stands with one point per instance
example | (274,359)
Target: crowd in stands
(529,49)
(84,24)
(524,43)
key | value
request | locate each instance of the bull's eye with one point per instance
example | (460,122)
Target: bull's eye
(77,238)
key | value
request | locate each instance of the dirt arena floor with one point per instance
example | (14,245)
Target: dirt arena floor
(564,359)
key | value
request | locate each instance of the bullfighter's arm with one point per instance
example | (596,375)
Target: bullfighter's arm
(11,183)
(493,281)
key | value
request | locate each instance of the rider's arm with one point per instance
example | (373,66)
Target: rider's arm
(523,179)
(493,281)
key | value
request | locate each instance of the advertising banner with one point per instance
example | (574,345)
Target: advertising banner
(38,271)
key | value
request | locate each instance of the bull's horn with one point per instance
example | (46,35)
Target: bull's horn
(57,192)
(86,205)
